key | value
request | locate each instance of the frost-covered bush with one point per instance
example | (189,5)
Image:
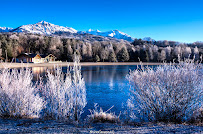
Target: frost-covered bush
(166,93)
(18,97)
(65,94)
(102,116)
(57,94)
(78,90)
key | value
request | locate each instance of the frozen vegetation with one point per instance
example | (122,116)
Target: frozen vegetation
(65,94)
(18,96)
(169,93)
(59,97)
(102,116)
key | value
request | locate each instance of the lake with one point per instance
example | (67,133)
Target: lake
(106,85)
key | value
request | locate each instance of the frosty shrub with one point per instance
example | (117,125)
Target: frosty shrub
(102,116)
(18,96)
(78,90)
(171,93)
(57,94)
(65,94)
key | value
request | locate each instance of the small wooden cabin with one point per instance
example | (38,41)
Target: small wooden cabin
(48,58)
(35,58)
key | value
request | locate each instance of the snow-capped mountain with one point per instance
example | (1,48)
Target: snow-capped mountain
(47,28)
(43,27)
(148,39)
(94,32)
(113,33)
(5,29)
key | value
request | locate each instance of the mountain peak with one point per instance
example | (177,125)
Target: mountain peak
(113,34)
(91,30)
(148,39)
(44,27)
(5,29)
(42,21)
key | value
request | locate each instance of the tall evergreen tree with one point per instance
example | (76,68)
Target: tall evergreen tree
(69,53)
(112,57)
(123,55)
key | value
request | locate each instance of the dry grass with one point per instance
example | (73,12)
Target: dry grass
(102,116)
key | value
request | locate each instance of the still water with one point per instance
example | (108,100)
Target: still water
(106,85)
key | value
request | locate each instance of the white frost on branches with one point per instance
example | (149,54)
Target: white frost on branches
(18,97)
(62,96)
(167,93)
(65,94)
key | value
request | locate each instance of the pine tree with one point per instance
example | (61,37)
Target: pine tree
(123,55)
(112,57)
(77,53)
(69,52)
(97,59)
(104,54)
(162,56)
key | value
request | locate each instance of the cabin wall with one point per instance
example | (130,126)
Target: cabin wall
(36,60)
(24,59)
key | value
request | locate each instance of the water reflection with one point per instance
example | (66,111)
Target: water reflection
(40,72)
(106,85)
(37,70)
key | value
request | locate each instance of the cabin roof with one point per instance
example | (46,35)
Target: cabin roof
(31,55)
(43,55)
(50,55)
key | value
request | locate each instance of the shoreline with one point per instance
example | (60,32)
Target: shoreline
(52,126)
(19,65)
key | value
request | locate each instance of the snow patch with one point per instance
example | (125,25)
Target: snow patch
(5,29)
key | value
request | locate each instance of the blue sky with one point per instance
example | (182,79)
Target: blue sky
(179,20)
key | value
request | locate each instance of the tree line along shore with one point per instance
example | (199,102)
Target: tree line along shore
(97,49)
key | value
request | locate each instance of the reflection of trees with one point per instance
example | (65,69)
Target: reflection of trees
(113,76)
(105,74)
(98,74)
